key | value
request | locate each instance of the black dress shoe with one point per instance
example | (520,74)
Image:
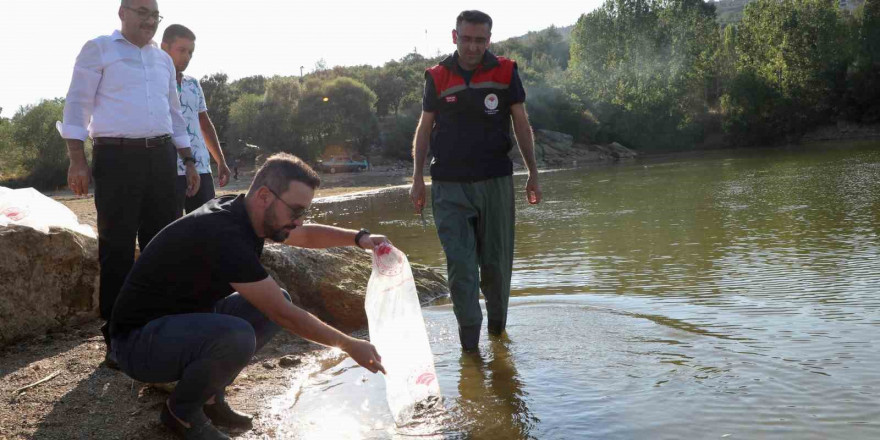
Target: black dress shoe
(221,414)
(204,431)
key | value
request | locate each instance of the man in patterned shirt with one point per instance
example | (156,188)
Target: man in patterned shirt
(180,42)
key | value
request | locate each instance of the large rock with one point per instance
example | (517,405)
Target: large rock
(614,151)
(554,149)
(51,280)
(48,280)
(332,283)
(554,140)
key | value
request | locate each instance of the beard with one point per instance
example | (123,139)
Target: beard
(273,231)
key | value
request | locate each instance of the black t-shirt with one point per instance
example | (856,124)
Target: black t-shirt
(430,100)
(190,264)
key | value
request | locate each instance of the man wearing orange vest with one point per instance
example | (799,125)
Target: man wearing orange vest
(469,101)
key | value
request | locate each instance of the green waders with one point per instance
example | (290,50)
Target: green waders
(475,223)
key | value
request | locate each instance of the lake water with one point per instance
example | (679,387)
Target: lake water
(734,294)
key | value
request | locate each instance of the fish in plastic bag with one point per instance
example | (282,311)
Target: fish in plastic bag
(397,330)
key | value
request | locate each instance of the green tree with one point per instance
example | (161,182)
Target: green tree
(644,68)
(8,151)
(397,135)
(280,104)
(796,48)
(43,154)
(255,85)
(219,96)
(389,87)
(245,122)
(863,81)
(339,112)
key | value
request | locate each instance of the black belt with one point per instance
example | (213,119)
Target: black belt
(157,141)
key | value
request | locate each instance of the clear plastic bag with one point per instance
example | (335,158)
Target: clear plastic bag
(29,207)
(397,329)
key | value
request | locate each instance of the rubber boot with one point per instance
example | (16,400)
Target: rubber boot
(469,336)
(496,328)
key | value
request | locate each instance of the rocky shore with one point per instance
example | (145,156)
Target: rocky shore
(54,386)
(53,383)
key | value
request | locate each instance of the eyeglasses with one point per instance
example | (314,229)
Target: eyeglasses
(295,213)
(479,41)
(144,14)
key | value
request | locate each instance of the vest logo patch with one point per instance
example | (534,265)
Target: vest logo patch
(491,103)
(451,98)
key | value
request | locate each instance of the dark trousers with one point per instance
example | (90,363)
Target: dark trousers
(203,351)
(135,198)
(206,192)
(475,223)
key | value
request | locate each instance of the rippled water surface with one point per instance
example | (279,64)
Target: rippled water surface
(730,295)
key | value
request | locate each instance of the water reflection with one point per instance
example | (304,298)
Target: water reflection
(491,396)
(736,293)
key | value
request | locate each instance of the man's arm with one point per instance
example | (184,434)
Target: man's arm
(78,173)
(266,296)
(420,153)
(316,236)
(179,134)
(192,175)
(213,144)
(525,139)
(178,124)
(78,108)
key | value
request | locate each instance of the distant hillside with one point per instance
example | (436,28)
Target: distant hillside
(731,11)
(564,32)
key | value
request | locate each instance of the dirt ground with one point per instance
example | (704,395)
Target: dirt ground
(82,399)
(85,400)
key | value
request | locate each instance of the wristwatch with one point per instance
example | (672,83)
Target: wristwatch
(357,238)
(189,159)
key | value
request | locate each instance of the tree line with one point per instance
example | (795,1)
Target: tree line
(651,74)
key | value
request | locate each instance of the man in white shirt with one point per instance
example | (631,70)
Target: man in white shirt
(123,95)
(179,42)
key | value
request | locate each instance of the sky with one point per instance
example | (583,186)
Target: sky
(39,39)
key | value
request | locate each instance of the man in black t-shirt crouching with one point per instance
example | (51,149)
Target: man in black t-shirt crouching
(197,304)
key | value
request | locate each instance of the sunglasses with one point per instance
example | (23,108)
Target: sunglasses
(297,212)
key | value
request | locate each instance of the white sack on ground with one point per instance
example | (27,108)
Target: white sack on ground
(29,207)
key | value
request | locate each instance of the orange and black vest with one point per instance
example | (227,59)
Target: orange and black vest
(471,135)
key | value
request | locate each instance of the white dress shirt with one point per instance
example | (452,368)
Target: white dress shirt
(121,90)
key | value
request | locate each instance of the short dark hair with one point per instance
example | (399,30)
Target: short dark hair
(475,17)
(175,31)
(282,168)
